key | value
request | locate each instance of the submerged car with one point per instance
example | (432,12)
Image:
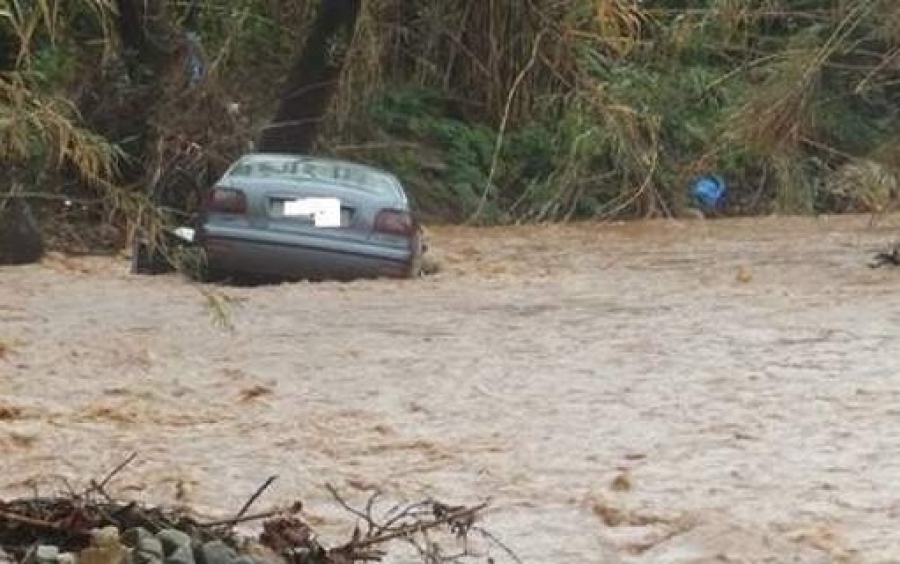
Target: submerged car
(290,217)
(302,217)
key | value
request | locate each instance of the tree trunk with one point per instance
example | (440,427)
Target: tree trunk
(313,79)
(144,31)
(9,49)
(146,43)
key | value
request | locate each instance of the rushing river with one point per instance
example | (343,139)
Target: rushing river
(653,392)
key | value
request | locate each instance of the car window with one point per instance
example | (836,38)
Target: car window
(309,169)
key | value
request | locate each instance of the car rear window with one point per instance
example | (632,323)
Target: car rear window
(311,169)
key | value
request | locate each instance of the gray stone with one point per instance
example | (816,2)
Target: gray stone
(174,540)
(45,554)
(21,241)
(217,552)
(66,558)
(181,555)
(147,549)
(133,537)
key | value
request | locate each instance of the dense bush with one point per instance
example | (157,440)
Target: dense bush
(524,111)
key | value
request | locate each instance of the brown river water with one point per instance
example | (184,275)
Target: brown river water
(653,392)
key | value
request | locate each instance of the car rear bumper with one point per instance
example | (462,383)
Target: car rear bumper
(267,254)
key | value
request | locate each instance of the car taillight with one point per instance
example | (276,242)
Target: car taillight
(225,200)
(395,222)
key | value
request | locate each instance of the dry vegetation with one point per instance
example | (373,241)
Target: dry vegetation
(490,111)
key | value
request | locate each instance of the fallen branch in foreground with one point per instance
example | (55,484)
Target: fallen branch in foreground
(90,527)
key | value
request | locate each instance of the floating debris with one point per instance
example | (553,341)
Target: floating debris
(90,527)
(890,257)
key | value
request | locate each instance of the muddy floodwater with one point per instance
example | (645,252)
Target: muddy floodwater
(720,391)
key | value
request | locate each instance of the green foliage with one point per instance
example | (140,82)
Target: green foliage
(542,110)
(40,128)
(464,149)
(53,66)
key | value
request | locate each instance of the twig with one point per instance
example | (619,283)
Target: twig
(640,191)
(116,470)
(255,496)
(497,542)
(100,490)
(103,513)
(370,506)
(366,517)
(68,485)
(408,512)
(100,487)
(136,512)
(407,530)
(495,160)
(40,523)
(58,197)
(371,503)
(248,518)
(374,147)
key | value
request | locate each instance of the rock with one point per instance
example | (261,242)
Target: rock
(134,537)
(147,549)
(104,555)
(107,537)
(431,265)
(65,558)
(20,237)
(105,548)
(177,546)
(181,556)
(173,540)
(46,554)
(216,552)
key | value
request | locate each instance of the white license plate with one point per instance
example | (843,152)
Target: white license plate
(325,212)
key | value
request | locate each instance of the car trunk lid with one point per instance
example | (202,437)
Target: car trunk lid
(317,209)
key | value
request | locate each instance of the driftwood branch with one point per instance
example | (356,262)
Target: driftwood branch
(252,517)
(31,522)
(255,496)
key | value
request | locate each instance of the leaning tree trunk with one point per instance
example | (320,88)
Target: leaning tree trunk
(313,80)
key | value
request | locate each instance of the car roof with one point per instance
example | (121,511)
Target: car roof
(320,169)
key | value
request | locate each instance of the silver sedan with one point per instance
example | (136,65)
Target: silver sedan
(305,217)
